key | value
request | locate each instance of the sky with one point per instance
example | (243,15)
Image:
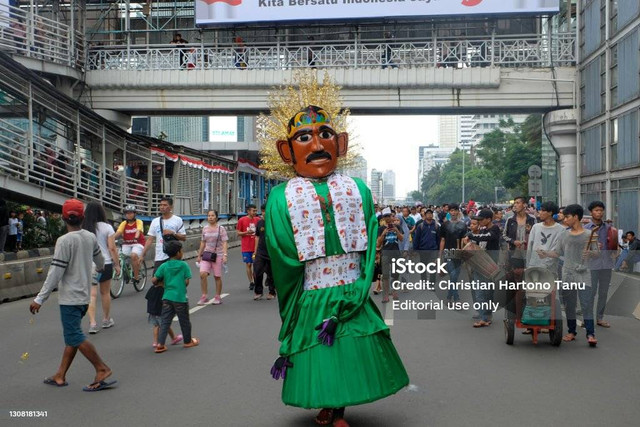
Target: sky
(391,142)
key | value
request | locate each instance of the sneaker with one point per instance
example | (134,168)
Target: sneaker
(216,300)
(176,340)
(108,323)
(203,300)
(93,329)
(252,286)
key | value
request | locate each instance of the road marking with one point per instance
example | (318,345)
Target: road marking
(388,313)
(199,307)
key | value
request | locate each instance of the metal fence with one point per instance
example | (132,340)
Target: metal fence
(538,50)
(58,146)
(34,36)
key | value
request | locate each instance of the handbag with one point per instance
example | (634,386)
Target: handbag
(211,256)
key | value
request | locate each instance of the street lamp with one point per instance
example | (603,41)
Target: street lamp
(463,150)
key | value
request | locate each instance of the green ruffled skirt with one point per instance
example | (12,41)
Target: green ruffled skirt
(354,370)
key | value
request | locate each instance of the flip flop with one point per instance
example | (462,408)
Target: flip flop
(102,385)
(194,342)
(51,381)
(481,324)
(591,339)
(603,324)
(569,337)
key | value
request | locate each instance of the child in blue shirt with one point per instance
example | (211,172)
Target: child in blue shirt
(174,276)
(20,231)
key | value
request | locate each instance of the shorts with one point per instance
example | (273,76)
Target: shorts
(106,274)
(247,257)
(135,248)
(155,320)
(212,267)
(71,316)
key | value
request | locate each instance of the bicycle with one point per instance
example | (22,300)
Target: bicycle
(126,275)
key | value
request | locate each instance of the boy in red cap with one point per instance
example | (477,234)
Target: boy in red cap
(70,272)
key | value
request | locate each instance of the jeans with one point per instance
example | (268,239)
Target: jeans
(570,298)
(170,309)
(621,258)
(483,296)
(600,281)
(453,268)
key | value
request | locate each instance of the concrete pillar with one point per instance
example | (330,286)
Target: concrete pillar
(561,127)
(117,118)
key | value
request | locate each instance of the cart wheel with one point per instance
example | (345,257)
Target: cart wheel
(555,335)
(509,331)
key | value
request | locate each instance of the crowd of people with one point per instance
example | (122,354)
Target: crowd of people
(561,240)
(558,239)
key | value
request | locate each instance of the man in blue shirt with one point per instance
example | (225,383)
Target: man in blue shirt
(427,234)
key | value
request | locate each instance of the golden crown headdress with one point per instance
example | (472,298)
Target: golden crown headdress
(286,102)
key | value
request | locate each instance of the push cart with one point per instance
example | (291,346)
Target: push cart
(529,304)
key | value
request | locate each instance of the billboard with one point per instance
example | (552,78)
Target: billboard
(223,129)
(229,12)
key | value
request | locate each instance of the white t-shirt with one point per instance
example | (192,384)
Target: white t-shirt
(174,223)
(13,226)
(416,217)
(103,232)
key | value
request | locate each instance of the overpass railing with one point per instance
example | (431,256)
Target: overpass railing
(538,50)
(34,36)
(59,146)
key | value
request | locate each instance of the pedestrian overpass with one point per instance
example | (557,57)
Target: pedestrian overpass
(413,75)
(528,73)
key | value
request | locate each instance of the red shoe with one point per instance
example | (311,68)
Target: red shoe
(340,422)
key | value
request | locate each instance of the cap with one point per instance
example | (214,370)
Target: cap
(386,211)
(72,207)
(483,214)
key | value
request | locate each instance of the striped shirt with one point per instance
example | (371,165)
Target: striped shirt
(71,267)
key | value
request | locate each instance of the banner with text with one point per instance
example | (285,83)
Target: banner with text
(226,12)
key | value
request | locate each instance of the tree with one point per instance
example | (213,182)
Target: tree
(431,178)
(479,182)
(415,195)
(510,150)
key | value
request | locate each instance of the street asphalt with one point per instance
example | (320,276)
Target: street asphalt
(460,376)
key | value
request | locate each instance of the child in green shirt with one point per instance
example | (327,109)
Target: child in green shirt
(175,274)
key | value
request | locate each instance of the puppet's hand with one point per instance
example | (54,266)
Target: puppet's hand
(327,331)
(279,369)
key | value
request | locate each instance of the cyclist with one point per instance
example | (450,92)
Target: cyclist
(132,233)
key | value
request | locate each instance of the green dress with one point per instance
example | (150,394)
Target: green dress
(362,365)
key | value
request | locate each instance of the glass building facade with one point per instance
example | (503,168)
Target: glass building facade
(609,101)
